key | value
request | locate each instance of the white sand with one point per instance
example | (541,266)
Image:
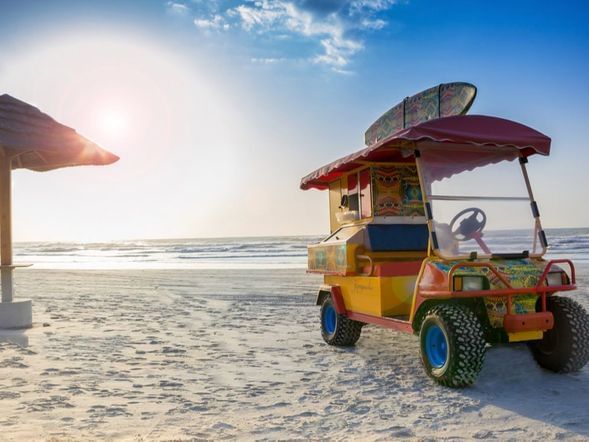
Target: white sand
(210,354)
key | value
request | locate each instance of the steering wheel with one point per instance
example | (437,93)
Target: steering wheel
(470,225)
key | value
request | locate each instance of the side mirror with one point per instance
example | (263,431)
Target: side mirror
(344,202)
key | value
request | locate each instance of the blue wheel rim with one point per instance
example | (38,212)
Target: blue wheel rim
(436,346)
(329,319)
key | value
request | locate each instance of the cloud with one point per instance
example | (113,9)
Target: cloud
(357,6)
(337,27)
(337,51)
(252,16)
(177,8)
(215,23)
(375,24)
(330,30)
(268,60)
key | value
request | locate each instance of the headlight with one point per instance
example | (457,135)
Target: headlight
(470,283)
(557,278)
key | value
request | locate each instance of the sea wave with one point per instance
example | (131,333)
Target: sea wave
(266,252)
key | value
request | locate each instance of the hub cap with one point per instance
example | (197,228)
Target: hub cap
(329,319)
(436,346)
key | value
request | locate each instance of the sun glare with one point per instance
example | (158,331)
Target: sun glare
(163,113)
(114,122)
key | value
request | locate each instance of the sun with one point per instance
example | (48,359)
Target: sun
(114,122)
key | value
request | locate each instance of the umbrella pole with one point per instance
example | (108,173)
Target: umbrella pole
(6,228)
(13,314)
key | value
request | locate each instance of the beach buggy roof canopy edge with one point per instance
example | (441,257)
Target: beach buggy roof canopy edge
(485,140)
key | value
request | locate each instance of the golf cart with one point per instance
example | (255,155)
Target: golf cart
(435,232)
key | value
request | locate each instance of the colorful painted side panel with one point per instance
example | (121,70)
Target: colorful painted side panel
(396,191)
(520,273)
(332,258)
(445,100)
(388,296)
(497,308)
(361,293)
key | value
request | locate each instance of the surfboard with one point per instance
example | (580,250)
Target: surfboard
(444,100)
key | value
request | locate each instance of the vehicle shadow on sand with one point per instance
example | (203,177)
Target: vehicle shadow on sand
(512,380)
(512,398)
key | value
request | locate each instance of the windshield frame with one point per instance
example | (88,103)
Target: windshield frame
(539,236)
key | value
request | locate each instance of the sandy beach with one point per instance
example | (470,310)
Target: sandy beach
(237,353)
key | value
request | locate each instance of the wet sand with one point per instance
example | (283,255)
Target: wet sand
(211,354)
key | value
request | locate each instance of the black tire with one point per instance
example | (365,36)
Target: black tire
(565,348)
(340,331)
(462,350)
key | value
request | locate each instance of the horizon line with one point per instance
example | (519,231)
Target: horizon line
(238,237)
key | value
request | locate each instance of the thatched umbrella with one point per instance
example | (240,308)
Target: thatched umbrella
(30,139)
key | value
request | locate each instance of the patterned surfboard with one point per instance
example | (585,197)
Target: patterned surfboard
(444,100)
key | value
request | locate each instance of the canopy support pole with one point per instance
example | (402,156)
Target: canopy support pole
(6,228)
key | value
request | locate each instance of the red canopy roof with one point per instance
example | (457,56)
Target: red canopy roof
(467,131)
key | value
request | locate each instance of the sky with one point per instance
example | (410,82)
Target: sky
(218,108)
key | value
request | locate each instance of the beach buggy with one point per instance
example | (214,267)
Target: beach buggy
(435,231)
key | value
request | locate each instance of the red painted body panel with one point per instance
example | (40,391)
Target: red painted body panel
(395,324)
(443,294)
(408,268)
(528,322)
(338,300)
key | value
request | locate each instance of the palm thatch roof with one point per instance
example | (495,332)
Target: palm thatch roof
(34,140)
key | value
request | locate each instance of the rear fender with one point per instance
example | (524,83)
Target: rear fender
(336,295)
(321,295)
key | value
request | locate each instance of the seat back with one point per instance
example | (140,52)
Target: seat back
(397,237)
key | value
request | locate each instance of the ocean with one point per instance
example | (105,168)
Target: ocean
(284,252)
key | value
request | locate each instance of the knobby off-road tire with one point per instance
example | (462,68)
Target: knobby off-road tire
(565,348)
(337,329)
(452,345)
